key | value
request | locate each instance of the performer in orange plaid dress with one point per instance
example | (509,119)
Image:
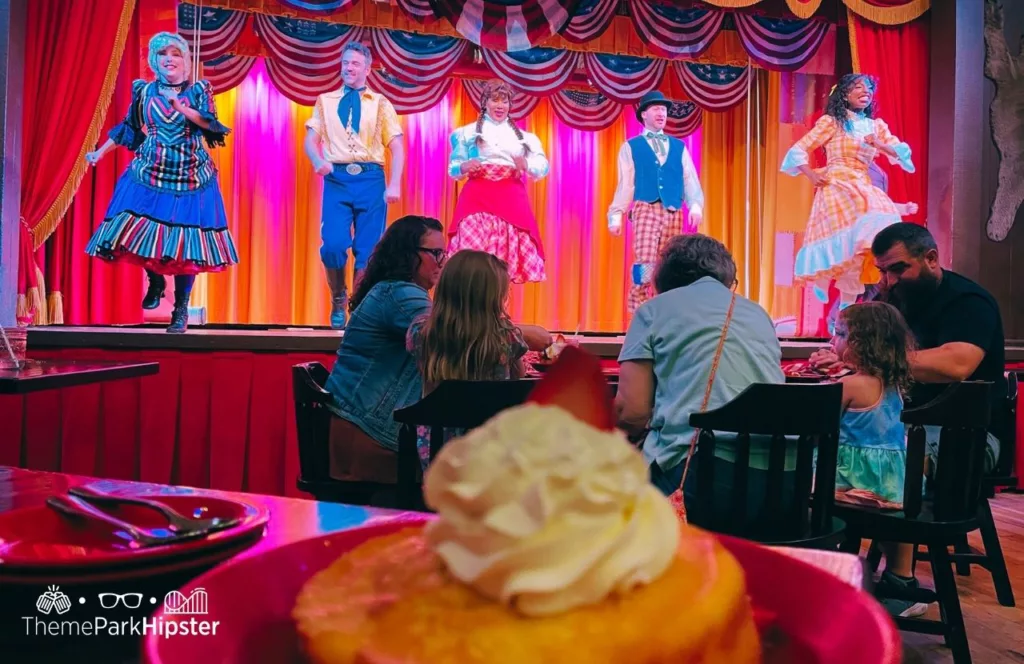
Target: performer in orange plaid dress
(848,210)
(493,211)
(656,175)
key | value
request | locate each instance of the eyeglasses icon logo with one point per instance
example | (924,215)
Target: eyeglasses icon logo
(53,600)
(129,600)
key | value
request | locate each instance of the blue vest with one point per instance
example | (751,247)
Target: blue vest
(658,182)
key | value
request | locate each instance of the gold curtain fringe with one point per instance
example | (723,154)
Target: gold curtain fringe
(732,4)
(803,10)
(21,308)
(55,308)
(851,22)
(905,13)
(48,223)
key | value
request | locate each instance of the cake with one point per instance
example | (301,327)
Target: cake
(550,545)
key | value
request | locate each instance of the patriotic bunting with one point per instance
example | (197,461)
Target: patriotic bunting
(227,72)
(673,32)
(219,29)
(408,97)
(589,111)
(538,71)
(522,105)
(777,43)
(418,10)
(506,25)
(417,58)
(591,19)
(684,118)
(712,87)
(320,7)
(624,78)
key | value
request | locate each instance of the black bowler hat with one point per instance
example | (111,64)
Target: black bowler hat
(652,98)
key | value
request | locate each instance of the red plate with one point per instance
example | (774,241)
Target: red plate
(37,543)
(822,620)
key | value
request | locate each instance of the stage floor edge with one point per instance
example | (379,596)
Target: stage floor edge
(305,339)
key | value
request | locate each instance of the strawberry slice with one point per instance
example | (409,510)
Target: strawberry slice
(576,384)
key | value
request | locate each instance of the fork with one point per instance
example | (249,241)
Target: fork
(177,521)
(78,508)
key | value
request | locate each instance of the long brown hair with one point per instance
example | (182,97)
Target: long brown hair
(468,329)
(878,342)
(498,88)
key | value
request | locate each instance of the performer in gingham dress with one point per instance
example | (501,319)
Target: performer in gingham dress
(493,211)
(848,210)
(167,213)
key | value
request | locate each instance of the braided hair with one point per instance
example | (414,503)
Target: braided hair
(838,104)
(498,88)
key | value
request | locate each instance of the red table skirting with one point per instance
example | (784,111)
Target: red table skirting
(223,420)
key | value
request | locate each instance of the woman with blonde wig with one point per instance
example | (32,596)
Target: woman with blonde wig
(493,212)
(167,213)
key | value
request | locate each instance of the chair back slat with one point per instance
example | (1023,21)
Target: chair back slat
(810,412)
(312,420)
(465,404)
(963,411)
(740,472)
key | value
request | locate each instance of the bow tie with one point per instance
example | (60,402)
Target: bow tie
(659,139)
(658,135)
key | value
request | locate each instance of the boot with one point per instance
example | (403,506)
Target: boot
(155,292)
(182,294)
(339,298)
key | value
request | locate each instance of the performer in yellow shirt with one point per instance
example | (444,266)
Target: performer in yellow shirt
(345,141)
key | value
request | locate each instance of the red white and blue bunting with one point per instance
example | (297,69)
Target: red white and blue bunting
(781,44)
(418,10)
(408,97)
(219,30)
(320,7)
(591,19)
(674,32)
(506,25)
(684,118)
(417,58)
(303,62)
(712,87)
(624,78)
(538,71)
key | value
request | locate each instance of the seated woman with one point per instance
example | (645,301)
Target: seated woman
(468,334)
(374,374)
(670,352)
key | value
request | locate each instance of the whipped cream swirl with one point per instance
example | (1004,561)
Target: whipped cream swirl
(545,513)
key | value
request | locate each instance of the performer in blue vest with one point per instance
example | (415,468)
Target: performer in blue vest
(656,175)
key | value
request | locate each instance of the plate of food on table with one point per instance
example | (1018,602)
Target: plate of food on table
(563,553)
(806,372)
(545,358)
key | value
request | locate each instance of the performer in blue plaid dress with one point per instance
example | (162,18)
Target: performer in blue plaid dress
(167,213)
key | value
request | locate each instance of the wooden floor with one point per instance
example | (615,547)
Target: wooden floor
(996,633)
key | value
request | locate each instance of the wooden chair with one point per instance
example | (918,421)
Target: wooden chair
(812,413)
(461,404)
(963,412)
(1004,426)
(313,424)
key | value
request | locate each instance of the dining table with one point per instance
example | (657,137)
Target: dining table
(35,375)
(290,520)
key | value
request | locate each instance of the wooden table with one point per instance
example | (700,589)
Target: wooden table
(38,375)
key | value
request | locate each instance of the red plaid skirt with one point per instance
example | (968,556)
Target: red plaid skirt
(496,191)
(487,232)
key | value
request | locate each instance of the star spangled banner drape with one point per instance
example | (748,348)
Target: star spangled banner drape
(302,58)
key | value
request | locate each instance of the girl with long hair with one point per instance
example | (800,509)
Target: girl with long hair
(167,213)
(848,210)
(468,334)
(493,211)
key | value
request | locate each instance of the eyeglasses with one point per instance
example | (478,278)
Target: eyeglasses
(130,600)
(439,254)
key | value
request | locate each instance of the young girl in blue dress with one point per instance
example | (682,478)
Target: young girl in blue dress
(873,339)
(167,213)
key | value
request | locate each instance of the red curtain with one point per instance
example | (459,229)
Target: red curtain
(66,98)
(899,57)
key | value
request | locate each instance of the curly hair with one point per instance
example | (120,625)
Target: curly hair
(687,258)
(162,41)
(838,104)
(878,342)
(498,88)
(397,256)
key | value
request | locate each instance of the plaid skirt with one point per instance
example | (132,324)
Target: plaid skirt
(488,232)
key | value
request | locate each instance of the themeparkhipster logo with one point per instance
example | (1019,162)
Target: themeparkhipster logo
(184,615)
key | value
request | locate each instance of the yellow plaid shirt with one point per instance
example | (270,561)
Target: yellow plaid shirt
(378,126)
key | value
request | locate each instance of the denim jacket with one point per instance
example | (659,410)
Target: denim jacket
(374,374)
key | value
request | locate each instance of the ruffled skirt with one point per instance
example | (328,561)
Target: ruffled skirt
(167,232)
(871,475)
